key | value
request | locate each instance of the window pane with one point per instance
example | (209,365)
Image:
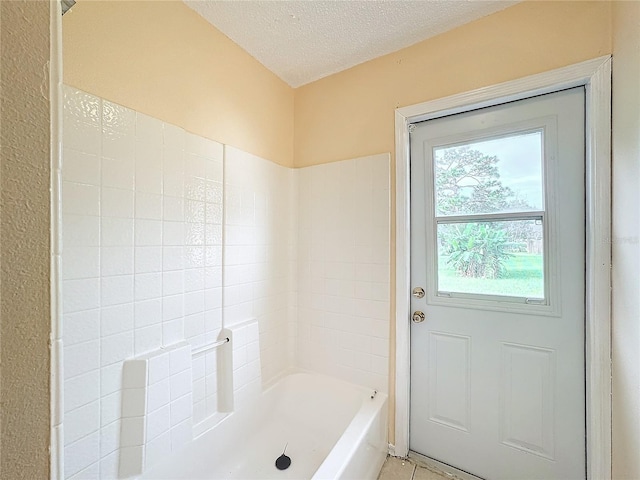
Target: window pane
(492,258)
(490,176)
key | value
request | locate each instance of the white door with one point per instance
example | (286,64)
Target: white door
(497,245)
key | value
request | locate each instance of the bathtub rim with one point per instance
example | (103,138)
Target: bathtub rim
(347,445)
(211,422)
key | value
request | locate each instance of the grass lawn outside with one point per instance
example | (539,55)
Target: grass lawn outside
(524,278)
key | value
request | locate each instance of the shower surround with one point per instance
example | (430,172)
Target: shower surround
(169,237)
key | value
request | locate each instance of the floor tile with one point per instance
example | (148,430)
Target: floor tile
(396,469)
(426,474)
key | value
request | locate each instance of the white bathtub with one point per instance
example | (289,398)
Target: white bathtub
(334,430)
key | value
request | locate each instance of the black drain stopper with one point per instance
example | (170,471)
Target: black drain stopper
(283,462)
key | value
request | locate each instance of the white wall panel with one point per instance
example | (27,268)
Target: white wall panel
(259,233)
(343,270)
(136,194)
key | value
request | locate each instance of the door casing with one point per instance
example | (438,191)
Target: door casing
(595,76)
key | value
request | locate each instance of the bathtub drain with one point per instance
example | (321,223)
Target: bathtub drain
(283,462)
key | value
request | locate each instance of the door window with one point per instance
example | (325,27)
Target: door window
(490,219)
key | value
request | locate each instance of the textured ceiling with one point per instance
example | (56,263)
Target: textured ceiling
(304,40)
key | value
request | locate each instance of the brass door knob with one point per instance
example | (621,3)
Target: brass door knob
(417,317)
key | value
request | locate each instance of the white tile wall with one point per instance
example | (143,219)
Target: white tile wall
(157,407)
(259,253)
(142,261)
(306,256)
(205,385)
(247,380)
(81,282)
(343,247)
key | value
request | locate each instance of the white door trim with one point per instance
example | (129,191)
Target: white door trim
(595,75)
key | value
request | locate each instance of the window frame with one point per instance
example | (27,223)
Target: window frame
(549,305)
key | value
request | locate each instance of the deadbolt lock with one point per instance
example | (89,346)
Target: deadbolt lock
(418,317)
(418,292)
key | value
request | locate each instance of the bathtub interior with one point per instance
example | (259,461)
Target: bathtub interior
(323,423)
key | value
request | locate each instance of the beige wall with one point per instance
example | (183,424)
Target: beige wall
(163,59)
(24,240)
(626,241)
(351,114)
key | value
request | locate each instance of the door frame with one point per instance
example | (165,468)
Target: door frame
(595,76)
